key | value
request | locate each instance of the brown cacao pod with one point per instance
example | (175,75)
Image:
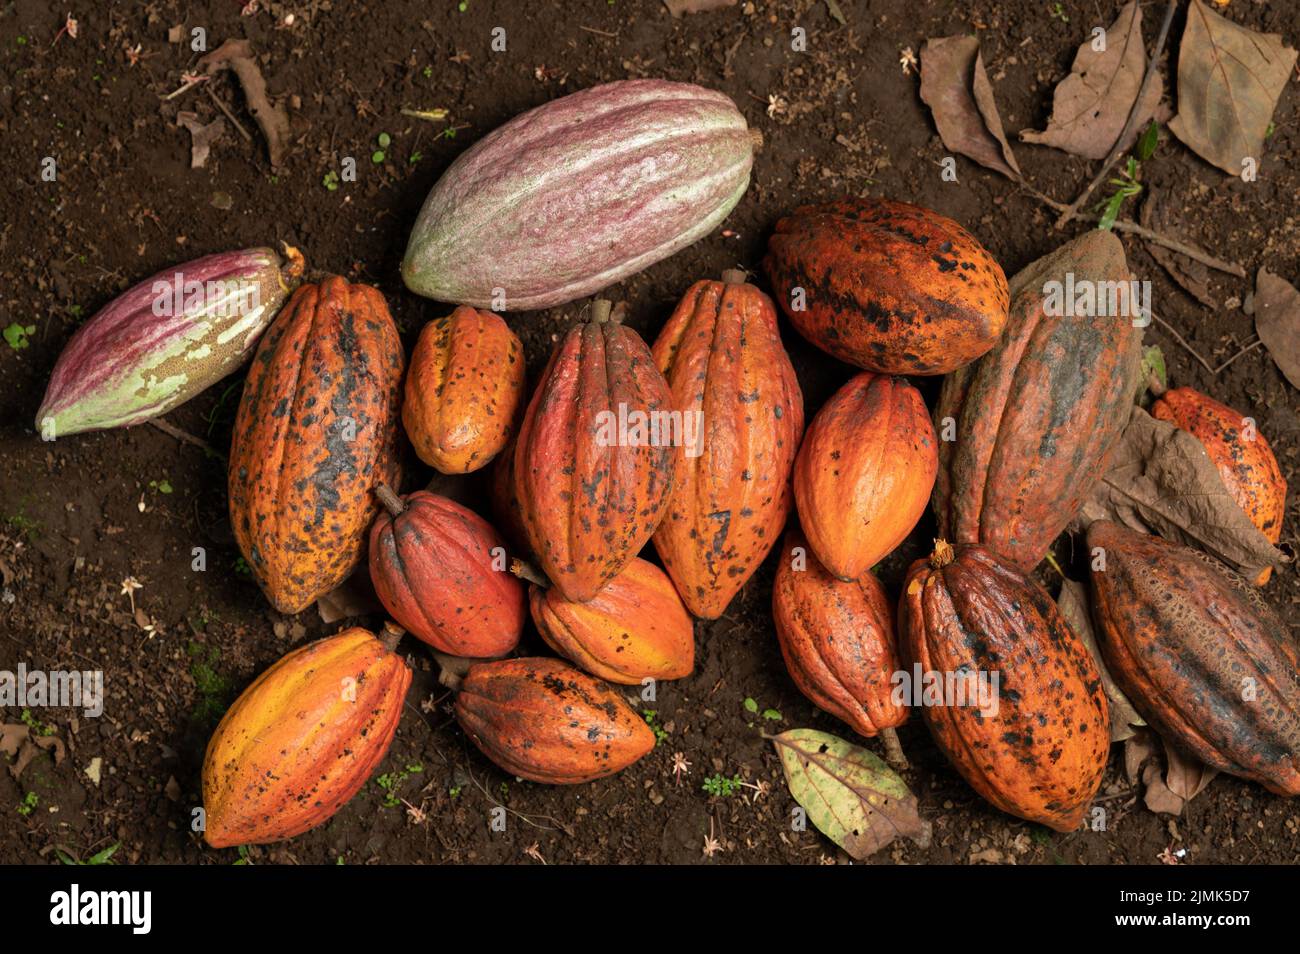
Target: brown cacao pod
(635,628)
(1037,418)
(592,475)
(864,472)
(316,430)
(1242,454)
(1202,657)
(888,286)
(440,571)
(722,355)
(302,739)
(1039,752)
(837,639)
(547,722)
(463,390)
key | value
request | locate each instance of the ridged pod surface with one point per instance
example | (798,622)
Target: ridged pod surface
(592,486)
(887,286)
(722,355)
(439,570)
(1202,657)
(545,721)
(463,390)
(1243,456)
(578,194)
(317,429)
(864,472)
(302,739)
(635,628)
(1039,752)
(837,639)
(1037,418)
(161,342)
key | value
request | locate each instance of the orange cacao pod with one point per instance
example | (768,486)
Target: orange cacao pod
(722,355)
(1201,655)
(505,505)
(440,571)
(635,628)
(545,721)
(864,472)
(463,390)
(302,739)
(316,429)
(1243,456)
(1040,750)
(592,486)
(837,639)
(887,286)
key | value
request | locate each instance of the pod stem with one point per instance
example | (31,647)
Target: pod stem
(392,503)
(526,571)
(392,635)
(600,309)
(294,265)
(734,276)
(893,751)
(451,669)
(1155,386)
(942,555)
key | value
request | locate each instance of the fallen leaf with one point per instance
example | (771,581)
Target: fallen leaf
(1277,322)
(1073,603)
(355,596)
(1182,779)
(1139,748)
(12,736)
(1190,275)
(1229,81)
(1161,478)
(851,795)
(201,137)
(957,90)
(1092,104)
(16,738)
(237,56)
(679,8)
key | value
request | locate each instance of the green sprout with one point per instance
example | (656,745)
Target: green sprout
(16,335)
(331,180)
(720,786)
(28,804)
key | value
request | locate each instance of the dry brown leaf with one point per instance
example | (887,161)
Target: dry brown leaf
(1229,81)
(201,137)
(679,8)
(355,596)
(237,56)
(1277,322)
(1182,779)
(1189,274)
(1073,603)
(1161,478)
(1092,104)
(18,742)
(956,88)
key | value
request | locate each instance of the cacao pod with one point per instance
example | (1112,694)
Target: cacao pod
(837,639)
(1037,418)
(864,472)
(578,194)
(163,341)
(505,505)
(1202,657)
(302,739)
(887,286)
(1039,750)
(316,430)
(1242,455)
(435,568)
(464,387)
(722,355)
(547,722)
(635,628)
(594,462)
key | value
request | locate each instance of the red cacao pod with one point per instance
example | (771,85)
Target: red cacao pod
(1242,454)
(1202,657)
(547,722)
(463,390)
(1041,751)
(316,429)
(635,628)
(590,495)
(440,571)
(302,739)
(887,286)
(837,639)
(864,472)
(722,355)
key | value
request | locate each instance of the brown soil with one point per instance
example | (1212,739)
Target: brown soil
(81,514)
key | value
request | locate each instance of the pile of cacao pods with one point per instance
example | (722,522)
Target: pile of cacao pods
(696,444)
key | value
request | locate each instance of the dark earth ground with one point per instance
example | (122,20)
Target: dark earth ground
(79,515)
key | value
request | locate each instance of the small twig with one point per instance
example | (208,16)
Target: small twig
(229,115)
(612,36)
(1248,348)
(1179,338)
(186,437)
(1119,148)
(188,82)
(432,115)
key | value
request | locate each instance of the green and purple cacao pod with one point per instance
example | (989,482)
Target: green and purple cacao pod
(578,194)
(163,341)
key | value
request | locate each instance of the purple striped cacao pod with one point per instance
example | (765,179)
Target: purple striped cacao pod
(578,194)
(163,341)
